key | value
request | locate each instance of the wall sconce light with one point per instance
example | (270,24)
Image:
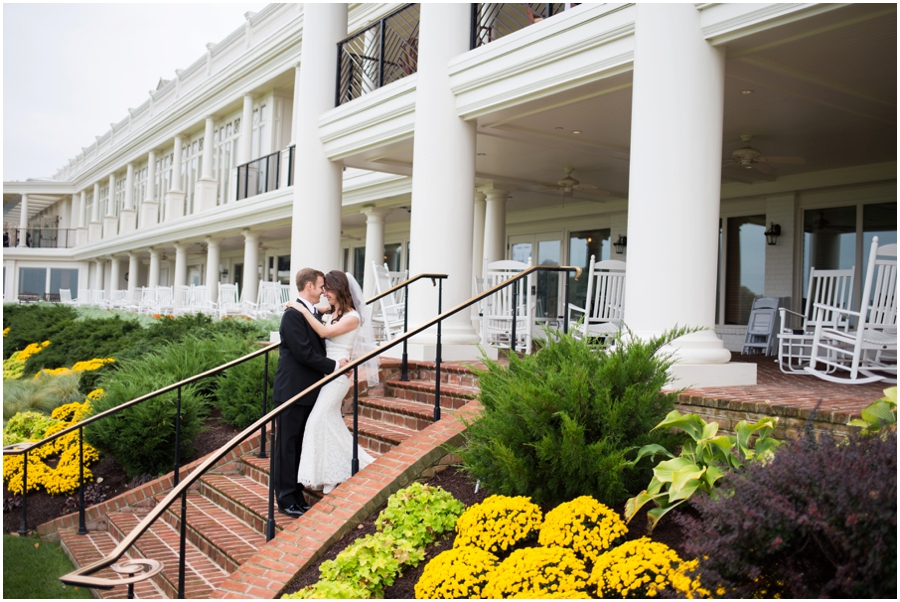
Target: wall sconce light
(222,271)
(621,244)
(773,233)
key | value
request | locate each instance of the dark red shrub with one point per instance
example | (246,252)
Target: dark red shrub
(819,520)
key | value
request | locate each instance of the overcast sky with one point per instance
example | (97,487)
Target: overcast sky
(69,70)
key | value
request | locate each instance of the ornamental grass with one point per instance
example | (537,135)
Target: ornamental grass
(538,573)
(461,572)
(584,525)
(643,568)
(498,524)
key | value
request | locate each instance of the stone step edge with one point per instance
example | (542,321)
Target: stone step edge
(696,397)
(366,430)
(95,516)
(455,367)
(268,572)
(406,407)
(447,390)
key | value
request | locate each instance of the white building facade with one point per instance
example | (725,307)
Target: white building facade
(433,136)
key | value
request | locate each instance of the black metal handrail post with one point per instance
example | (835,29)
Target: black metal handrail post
(437,360)
(82,526)
(177,436)
(23,527)
(270,518)
(265,408)
(404,371)
(354,462)
(381,53)
(182,544)
(515,317)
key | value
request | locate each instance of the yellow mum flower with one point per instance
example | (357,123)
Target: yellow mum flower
(498,523)
(584,525)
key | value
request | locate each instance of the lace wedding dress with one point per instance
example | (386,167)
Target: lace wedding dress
(327,444)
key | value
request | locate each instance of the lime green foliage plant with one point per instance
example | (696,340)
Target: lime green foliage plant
(456,573)
(643,569)
(879,414)
(26,426)
(537,573)
(704,459)
(559,423)
(41,394)
(498,524)
(419,514)
(585,526)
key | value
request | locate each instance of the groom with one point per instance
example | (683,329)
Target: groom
(301,363)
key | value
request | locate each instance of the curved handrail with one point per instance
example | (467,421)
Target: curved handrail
(81,577)
(404,284)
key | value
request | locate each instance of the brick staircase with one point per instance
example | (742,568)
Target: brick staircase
(227,512)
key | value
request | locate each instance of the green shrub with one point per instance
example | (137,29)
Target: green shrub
(33,322)
(558,424)
(42,394)
(878,414)
(84,340)
(240,391)
(142,438)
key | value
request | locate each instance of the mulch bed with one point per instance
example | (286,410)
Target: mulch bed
(458,483)
(43,507)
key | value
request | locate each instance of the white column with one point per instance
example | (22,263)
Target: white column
(150,206)
(495,225)
(114,273)
(81,236)
(133,268)
(212,269)
(95,229)
(674,206)
(318,181)
(153,275)
(374,247)
(175,196)
(251,261)
(245,146)
(23,222)
(478,235)
(128,217)
(207,187)
(443,180)
(180,264)
(110,221)
(98,275)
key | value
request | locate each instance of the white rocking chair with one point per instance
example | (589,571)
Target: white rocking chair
(827,287)
(388,315)
(605,301)
(229,300)
(497,310)
(868,353)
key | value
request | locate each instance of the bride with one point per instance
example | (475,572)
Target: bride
(347,330)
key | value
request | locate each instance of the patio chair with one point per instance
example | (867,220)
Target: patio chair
(759,338)
(164,304)
(200,303)
(828,287)
(84,297)
(98,298)
(387,317)
(65,296)
(605,301)
(497,315)
(117,299)
(869,352)
(229,300)
(181,299)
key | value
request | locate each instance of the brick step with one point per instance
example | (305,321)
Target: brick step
(257,468)
(390,410)
(451,373)
(377,435)
(452,396)
(242,497)
(227,540)
(86,549)
(162,543)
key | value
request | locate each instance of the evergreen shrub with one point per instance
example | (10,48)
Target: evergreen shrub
(819,520)
(83,340)
(240,391)
(559,423)
(33,322)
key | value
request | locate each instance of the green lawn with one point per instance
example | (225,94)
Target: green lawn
(32,568)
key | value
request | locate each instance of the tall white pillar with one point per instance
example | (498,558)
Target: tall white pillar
(98,275)
(495,225)
(23,222)
(374,247)
(212,268)
(128,216)
(207,187)
(245,146)
(478,234)
(175,195)
(110,221)
(150,205)
(180,264)
(318,182)
(678,94)
(153,275)
(251,262)
(95,229)
(115,275)
(133,268)
(81,236)
(443,181)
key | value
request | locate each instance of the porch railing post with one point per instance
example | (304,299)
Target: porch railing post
(177,435)
(437,359)
(404,374)
(82,527)
(270,520)
(181,545)
(337,83)
(265,406)
(354,463)
(23,527)
(473,32)
(515,310)
(381,53)
(566,305)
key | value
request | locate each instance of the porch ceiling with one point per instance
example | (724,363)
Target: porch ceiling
(823,88)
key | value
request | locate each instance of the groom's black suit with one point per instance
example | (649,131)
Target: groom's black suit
(301,363)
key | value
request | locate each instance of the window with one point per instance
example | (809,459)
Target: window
(392,256)
(359,264)
(119,197)
(259,144)
(283,275)
(581,246)
(88,207)
(226,141)
(63,278)
(163,181)
(191,165)
(33,281)
(139,190)
(104,200)
(745,266)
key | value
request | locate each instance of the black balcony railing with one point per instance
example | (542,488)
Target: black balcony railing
(493,21)
(40,238)
(380,54)
(258,176)
(290,167)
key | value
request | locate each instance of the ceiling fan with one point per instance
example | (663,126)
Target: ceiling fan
(748,157)
(569,185)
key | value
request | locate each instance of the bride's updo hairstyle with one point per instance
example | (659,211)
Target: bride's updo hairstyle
(339,286)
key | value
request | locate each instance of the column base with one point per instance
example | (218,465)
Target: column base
(697,376)
(95,232)
(149,213)
(449,353)
(127,221)
(205,194)
(110,226)
(174,205)
(81,236)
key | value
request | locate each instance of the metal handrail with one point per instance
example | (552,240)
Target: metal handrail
(40,238)
(81,577)
(490,22)
(267,172)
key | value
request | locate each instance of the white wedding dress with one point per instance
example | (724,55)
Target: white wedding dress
(327,444)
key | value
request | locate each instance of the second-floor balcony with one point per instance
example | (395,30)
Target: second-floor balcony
(265,174)
(39,238)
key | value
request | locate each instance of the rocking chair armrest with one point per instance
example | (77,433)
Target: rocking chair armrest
(783,310)
(837,310)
